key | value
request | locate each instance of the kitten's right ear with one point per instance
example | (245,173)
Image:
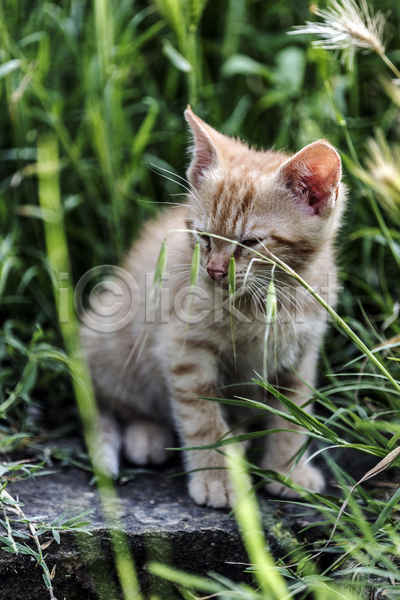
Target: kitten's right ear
(313,176)
(204,153)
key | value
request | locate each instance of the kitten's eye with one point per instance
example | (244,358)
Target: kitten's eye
(249,243)
(206,240)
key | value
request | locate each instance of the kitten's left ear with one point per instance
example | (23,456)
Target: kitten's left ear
(313,176)
(204,150)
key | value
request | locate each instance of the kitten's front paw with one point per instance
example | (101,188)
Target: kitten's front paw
(211,491)
(307,476)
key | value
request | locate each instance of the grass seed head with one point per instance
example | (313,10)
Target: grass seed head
(349,27)
(195,266)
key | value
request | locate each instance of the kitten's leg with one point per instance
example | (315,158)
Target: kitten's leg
(145,442)
(106,455)
(200,422)
(282,447)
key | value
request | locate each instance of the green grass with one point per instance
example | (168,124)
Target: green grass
(92,110)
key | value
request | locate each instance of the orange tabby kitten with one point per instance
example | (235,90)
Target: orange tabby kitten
(150,374)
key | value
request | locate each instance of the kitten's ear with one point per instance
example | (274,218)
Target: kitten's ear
(204,153)
(313,176)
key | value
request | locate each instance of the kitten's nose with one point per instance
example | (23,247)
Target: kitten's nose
(217,274)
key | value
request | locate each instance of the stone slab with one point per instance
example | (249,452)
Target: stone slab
(161,522)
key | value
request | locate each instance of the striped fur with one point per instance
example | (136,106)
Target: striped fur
(155,377)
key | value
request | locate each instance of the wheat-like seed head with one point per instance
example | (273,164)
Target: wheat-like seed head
(392,88)
(383,163)
(349,27)
(383,173)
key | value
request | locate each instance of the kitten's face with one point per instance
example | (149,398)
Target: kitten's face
(266,201)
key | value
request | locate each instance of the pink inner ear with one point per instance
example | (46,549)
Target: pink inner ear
(201,161)
(315,190)
(313,175)
(204,152)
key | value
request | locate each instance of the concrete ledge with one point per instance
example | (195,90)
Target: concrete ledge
(161,521)
(162,524)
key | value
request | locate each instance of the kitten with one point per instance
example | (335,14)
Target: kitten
(150,375)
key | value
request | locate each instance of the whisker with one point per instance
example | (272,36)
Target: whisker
(177,183)
(175,219)
(186,194)
(192,190)
(292,302)
(163,202)
(297,289)
(249,267)
(174,267)
(179,253)
(176,175)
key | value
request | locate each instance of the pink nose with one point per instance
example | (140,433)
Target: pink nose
(217,274)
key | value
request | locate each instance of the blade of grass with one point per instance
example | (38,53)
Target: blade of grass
(381,466)
(57,250)
(232,290)
(246,512)
(184,579)
(271,304)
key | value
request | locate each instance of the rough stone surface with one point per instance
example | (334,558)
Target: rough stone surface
(162,524)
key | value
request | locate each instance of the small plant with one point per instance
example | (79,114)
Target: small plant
(21,532)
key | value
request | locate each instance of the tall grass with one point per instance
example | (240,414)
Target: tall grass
(57,250)
(93,96)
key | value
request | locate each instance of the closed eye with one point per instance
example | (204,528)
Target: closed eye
(205,239)
(251,242)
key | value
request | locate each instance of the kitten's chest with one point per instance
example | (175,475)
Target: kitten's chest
(254,348)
